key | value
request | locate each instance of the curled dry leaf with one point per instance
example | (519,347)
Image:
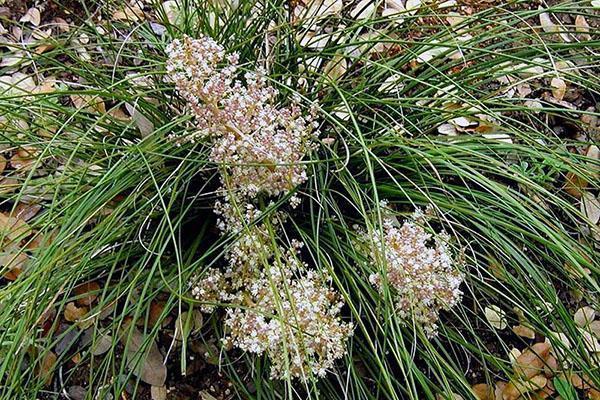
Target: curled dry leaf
(495,317)
(524,331)
(531,362)
(584,316)
(2,163)
(73,313)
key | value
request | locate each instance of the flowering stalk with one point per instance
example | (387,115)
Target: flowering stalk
(417,267)
(281,307)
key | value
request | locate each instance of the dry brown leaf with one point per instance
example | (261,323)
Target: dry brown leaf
(26,211)
(514,390)
(495,317)
(584,316)
(575,184)
(483,391)
(590,207)
(595,328)
(13,229)
(578,382)
(2,163)
(131,13)
(559,88)
(158,392)
(46,368)
(531,362)
(72,313)
(102,344)
(149,367)
(524,331)
(33,16)
(88,102)
(14,263)
(498,389)
(23,159)
(593,394)
(85,293)
(551,366)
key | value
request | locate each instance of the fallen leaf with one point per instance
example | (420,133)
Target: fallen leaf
(559,88)
(524,331)
(590,207)
(88,102)
(149,366)
(13,263)
(595,328)
(515,389)
(131,13)
(551,366)
(495,317)
(363,10)
(73,313)
(85,293)
(500,385)
(33,16)
(46,370)
(483,391)
(102,344)
(575,184)
(532,360)
(158,392)
(584,316)
(2,163)
(145,126)
(171,10)
(590,342)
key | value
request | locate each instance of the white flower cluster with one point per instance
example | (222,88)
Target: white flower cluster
(418,268)
(259,145)
(280,307)
(294,319)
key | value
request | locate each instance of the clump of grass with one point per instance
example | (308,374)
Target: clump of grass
(123,207)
